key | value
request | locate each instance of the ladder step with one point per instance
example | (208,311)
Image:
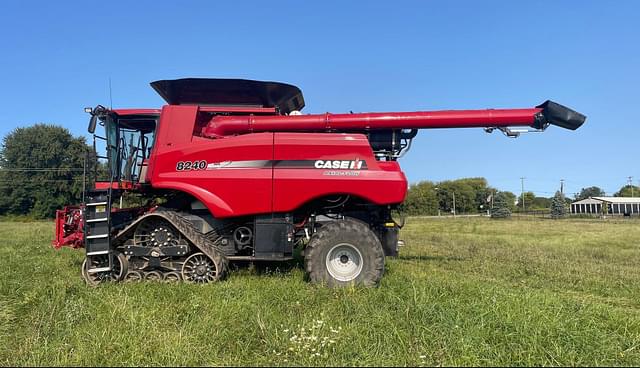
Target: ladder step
(98,220)
(97,204)
(99,269)
(97,253)
(97,236)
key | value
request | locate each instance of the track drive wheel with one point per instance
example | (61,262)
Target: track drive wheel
(200,269)
(120,266)
(344,252)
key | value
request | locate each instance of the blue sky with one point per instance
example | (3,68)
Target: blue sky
(57,57)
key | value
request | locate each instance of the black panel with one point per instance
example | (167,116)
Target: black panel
(273,236)
(230,92)
(556,114)
(389,240)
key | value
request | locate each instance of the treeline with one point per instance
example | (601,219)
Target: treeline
(474,195)
(41,170)
(626,191)
(471,195)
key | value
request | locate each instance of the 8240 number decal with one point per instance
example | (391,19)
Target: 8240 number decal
(191,165)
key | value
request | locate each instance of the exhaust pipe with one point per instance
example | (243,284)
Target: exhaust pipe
(559,115)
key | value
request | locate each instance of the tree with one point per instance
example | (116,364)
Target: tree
(628,191)
(428,198)
(501,205)
(40,170)
(558,209)
(529,198)
(470,194)
(421,199)
(537,203)
(511,200)
(589,192)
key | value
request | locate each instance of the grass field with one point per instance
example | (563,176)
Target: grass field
(463,292)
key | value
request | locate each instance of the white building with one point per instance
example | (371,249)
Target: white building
(614,205)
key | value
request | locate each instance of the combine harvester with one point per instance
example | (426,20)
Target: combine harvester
(232,171)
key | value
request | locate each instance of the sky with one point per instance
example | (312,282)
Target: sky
(58,57)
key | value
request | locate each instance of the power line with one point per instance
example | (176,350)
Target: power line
(42,169)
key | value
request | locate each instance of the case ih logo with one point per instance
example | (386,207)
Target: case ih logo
(340,164)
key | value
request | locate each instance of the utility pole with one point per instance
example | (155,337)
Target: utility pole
(454,204)
(84,175)
(522,182)
(631,184)
(493,196)
(562,186)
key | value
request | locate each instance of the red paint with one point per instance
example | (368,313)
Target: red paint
(149,112)
(233,191)
(294,187)
(226,125)
(102,185)
(239,109)
(69,228)
(258,161)
(226,192)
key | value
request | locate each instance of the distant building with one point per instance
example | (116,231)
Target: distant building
(614,205)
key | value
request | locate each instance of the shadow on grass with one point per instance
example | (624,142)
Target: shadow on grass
(269,268)
(430,258)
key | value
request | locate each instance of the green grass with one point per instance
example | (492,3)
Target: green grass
(463,292)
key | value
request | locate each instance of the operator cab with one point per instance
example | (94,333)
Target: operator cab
(129,137)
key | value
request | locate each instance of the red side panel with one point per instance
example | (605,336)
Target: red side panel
(267,172)
(231,176)
(312,165)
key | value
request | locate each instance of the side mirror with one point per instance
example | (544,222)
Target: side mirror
(92,124)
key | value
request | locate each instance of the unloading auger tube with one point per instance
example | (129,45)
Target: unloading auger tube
(540,117)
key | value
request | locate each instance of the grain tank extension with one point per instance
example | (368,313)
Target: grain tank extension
(230,170)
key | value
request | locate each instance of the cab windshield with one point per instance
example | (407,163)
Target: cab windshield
(129,140)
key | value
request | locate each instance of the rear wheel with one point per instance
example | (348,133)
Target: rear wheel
(345,253)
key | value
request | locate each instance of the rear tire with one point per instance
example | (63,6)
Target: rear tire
(343,253)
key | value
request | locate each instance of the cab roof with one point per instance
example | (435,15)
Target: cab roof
(230,92)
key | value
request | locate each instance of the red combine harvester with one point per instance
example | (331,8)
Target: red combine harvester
(230,170)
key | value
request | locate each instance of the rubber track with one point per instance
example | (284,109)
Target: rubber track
(205,244)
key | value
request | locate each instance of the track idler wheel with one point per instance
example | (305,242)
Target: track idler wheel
(134,276)
(200,269)
(172,277)
(153,276)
